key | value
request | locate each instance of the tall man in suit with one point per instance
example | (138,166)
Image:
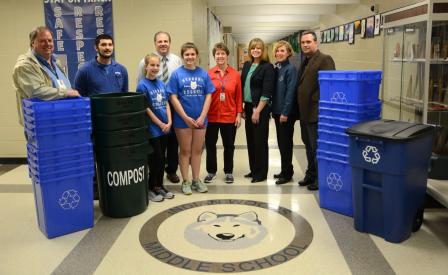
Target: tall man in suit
(308,94)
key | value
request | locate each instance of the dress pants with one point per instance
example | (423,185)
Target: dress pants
(228,132)
(309,138)
(156,161)
(257,142)
(285,133)
(172,153)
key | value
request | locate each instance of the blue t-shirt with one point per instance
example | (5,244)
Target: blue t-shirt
(154,90)
(191,87)
(95,78)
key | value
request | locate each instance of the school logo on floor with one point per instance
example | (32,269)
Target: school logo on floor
(225,231)
(226,235)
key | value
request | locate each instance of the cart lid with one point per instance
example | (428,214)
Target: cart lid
(390,130)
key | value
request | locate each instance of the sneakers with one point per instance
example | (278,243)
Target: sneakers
(165,193)
(228,178)
(209,178)
(186,187)
(155,197)
(199,186)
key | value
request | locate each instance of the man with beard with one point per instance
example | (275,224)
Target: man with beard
(102,74)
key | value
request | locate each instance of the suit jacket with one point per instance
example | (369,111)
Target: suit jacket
(262,82)
(308,92)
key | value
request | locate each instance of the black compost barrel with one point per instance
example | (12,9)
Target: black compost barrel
(120,132)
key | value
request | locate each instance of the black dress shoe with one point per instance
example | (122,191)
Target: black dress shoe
(173,178)
(257,180)
(248,175)
(306,181)
(313,186)
(282,181)
(277,176)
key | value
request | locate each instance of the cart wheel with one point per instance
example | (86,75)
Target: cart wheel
(418,221)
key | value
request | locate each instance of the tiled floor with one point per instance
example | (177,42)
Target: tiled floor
(290,234)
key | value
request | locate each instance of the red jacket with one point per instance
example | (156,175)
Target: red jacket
(225,111)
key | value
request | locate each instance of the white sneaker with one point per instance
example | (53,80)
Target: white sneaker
(166,194)
(209,178)
(186,187)
(155,197)
(199,186)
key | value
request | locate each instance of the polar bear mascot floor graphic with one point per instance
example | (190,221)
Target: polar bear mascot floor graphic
(225,231)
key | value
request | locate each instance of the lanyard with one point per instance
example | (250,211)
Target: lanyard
(223,81)
(57,77)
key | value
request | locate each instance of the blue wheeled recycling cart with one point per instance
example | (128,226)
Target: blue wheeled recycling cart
(389,162)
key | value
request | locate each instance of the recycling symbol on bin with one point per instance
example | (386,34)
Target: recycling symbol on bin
(370,154)
(339,97)
(69,199)
(334,181)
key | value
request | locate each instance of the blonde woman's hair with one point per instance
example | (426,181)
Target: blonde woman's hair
(147,58)
(258,42)
(287,46)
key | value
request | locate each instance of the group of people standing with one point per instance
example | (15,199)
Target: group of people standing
(189,106)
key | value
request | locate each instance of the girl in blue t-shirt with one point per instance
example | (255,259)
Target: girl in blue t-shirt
(190,89)
(160,114)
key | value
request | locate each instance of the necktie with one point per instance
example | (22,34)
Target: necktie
(164,76)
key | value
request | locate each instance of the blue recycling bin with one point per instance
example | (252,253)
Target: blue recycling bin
(389,161)
(335,182)
(349,86)
(346,98)
(60,163)
(64,200)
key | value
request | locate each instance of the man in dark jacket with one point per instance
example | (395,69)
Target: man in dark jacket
(308,99)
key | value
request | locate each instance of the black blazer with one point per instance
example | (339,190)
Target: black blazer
(262,82)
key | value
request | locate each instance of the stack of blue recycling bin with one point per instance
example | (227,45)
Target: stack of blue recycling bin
(346,98)
(60,162)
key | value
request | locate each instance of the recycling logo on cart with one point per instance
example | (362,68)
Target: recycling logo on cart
(371,154)
(69,199)
(334,181)
(339,97)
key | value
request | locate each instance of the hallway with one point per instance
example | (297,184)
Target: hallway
(282,231)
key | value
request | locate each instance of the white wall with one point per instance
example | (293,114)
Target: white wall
(200,31)
(135,22)
(18,18)
(233,49)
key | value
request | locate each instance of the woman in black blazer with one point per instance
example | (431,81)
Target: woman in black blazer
(258,82)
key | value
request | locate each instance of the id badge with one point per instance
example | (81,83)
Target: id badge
(222,96)
(61,84)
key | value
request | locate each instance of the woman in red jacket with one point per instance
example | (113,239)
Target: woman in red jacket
(224,114)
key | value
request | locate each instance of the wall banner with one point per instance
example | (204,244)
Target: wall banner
(75,24)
